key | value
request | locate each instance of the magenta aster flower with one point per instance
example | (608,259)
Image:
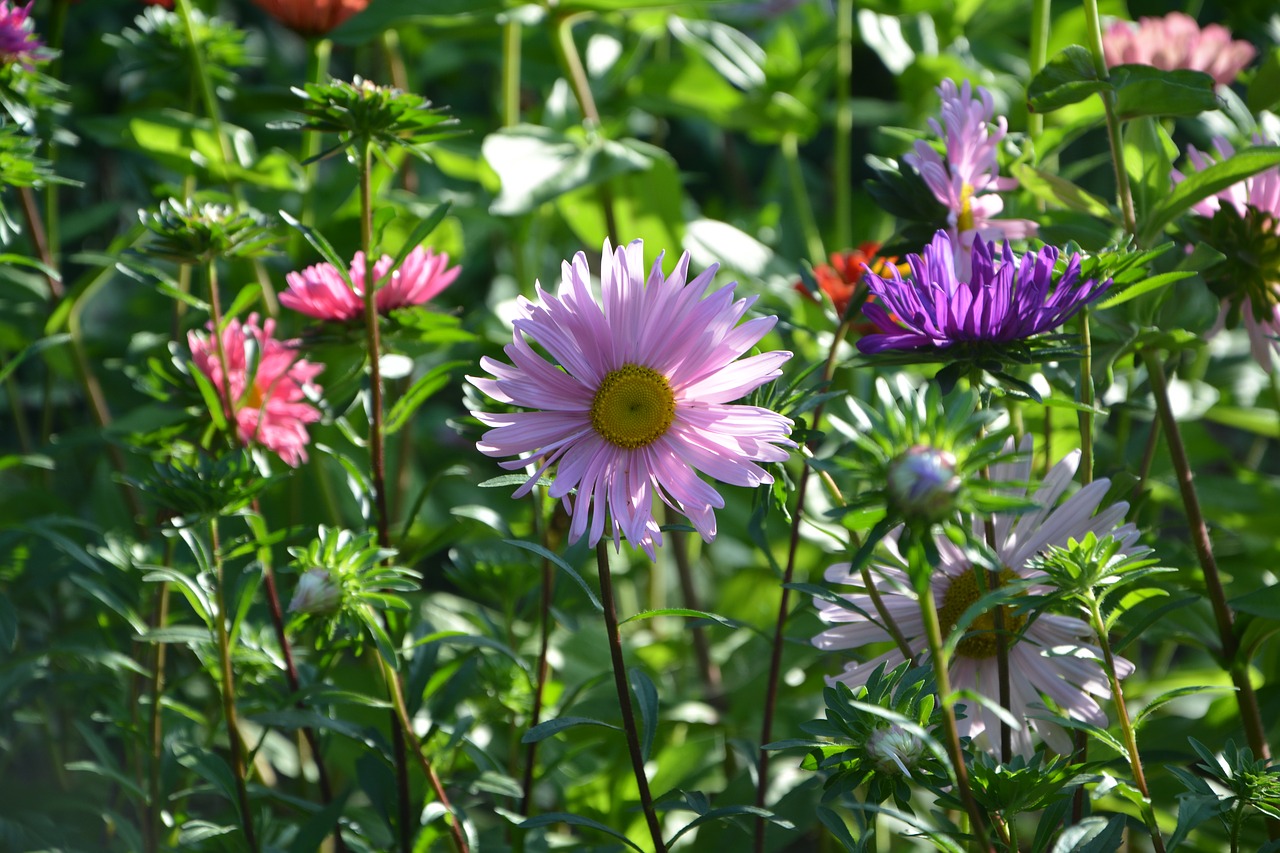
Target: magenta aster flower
(1244,225)
(1050,656)
(320,291)
(1002,300)
(967,181)
(18,42)
(1176,41)
(636,397)
(269,385)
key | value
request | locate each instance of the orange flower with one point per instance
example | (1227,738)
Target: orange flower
(311,17)
(839,279)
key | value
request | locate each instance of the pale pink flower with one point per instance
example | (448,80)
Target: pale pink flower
(635,399)
(1176,41)
(1054,656)
(1255,295)
(320,291)
(967,180)
(269,385)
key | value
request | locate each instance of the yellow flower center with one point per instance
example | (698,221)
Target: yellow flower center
(964,222)
(253,397)
(633,407)
(963,591)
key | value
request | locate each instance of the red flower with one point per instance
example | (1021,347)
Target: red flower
(311,17)
(839,279)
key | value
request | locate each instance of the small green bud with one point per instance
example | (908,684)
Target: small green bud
(923,483)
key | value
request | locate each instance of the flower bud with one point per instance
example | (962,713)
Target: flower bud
(923,483)
(316,593)
(895,750)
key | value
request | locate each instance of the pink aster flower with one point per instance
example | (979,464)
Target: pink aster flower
(269,385)
(320,291)
(967,180)
(1051,656)
(1176,41)
(636,397)
(1249,285)
(18,42)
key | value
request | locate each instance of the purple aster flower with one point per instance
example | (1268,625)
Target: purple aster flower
(967,180)
(1245,226)
(1003,299)
(18,43)
(1051,656)
(636,397)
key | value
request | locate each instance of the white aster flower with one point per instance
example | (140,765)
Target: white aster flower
(1052,656)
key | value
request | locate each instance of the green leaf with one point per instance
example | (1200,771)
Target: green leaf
(385,15)
(682,611)
(320,244)
(8,624)
(1170,695)
(1213,179)
(247,296)
(1258,421)
(313,831)
(1264,88)
(423,387)
(1148,160)
(647,699)
(1264,602)
(574,820)
(1145,91)
(536,165)
(1133,291)
(1092,835)
(1067,78)
(1059,191)
(31,349)
(212,398)
(730,812)
(547,728)
(561,564)
(416,237)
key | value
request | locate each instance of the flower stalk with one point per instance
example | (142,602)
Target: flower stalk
(624,696)
(1126,727)
(229,690)
(1250,716)
(1093,23)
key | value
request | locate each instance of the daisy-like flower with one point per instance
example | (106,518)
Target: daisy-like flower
(1050,656)
(1244,224)
(320,291)
(269,385)
(1176,41)
(1000,301)
(311,17)
(18,41)
(967,180)
(636,398)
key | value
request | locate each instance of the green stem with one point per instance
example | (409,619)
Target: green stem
(938,657)
(1086,398)
(1093,23)
(708,671)
(511,34)
(1039,56)
(790,148)
(229,690)
(544,644)
(571,62)
(214,113)
(401,714)
(1250,716)
(159,621)
(844,126)
(624,696)
(1126,728)
(317,72)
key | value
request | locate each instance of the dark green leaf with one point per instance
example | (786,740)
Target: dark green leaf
(1145,91)
(647,699)
(547,728)
(1213,179)
(561,564)
(574,820)
(1067,78)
